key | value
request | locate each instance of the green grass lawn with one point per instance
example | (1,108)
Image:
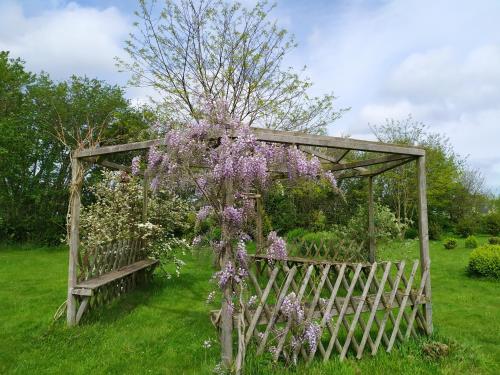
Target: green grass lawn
(160,329)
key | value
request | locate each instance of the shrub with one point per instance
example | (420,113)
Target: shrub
(471,242)
(494,240)
(411,233)
(435,231)
(492,223)
(386,224)
(296,234)
(485,261)
(324,236)
(450,243)
(466,227)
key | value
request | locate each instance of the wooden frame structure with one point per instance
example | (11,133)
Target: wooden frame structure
(332,152)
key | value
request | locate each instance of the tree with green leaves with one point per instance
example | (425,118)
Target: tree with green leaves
(194,51)
(41,121)
(449,179)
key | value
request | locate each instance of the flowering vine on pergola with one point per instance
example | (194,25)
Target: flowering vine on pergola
(225,160)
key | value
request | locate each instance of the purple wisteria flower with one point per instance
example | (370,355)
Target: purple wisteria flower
(292,308)
(204,212)
(233,216)
(136,161)
(331,178)
(276,246)
(311,336)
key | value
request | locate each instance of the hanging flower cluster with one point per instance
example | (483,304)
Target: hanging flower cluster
(276,248)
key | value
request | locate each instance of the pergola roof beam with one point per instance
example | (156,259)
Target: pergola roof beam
(276,136)
(367,162)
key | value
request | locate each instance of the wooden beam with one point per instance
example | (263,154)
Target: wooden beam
(367,162)
(74,237)
(368,173)
(332,159)
(116,166)
(425,259)
(371,221)
(392,166)
(343,155)
(275,136)
(106,150)
(297,138)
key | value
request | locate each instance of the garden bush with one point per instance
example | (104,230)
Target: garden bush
(471,242)
(435,231)
(296,234)
(411,233)
(450,243)
(494,240)
(318,237)
(466,227)
(485,261)
(386,224)
(492,223)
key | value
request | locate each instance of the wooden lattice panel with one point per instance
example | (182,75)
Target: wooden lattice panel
(103,260)
(346,250)
(359,307)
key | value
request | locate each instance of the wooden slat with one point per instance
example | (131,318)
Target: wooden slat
(357,314)
(402,307)
(343,311)
(116,275)
(375,306)
(415,308)
(381,329)
(326,315)
(276,311)
(262,304)
(299,296)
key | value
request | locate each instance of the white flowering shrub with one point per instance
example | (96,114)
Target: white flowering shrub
(117,214)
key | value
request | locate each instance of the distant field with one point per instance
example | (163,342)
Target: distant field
(161,329)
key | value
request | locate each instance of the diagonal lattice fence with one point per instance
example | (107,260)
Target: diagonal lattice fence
(355,307)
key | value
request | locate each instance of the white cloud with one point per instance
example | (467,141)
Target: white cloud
(65,41)
(438,60)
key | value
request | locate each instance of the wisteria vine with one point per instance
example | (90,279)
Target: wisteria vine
(222,160)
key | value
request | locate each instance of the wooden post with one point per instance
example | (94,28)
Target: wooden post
(371,221)
(226,334)
(258,224)
(145,189)
(425,259)
(74,236)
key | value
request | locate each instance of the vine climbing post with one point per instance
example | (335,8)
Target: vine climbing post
(425,260)
(74,235)
(226,333)
(258,224)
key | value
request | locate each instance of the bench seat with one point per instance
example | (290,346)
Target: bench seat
(87,287)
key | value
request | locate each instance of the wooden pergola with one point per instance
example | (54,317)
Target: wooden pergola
(332,152)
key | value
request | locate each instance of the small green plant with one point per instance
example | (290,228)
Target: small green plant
(471,242)
(485,261)
(450,243)
(494,240)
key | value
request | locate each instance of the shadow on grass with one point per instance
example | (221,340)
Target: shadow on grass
(143,295)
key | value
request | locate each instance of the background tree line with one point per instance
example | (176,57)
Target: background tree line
(191,51)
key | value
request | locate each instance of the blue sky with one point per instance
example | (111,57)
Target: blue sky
(436,59)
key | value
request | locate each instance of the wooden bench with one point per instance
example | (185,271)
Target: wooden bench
(86,288)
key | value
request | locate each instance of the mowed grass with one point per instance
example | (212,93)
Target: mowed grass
(160,329)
